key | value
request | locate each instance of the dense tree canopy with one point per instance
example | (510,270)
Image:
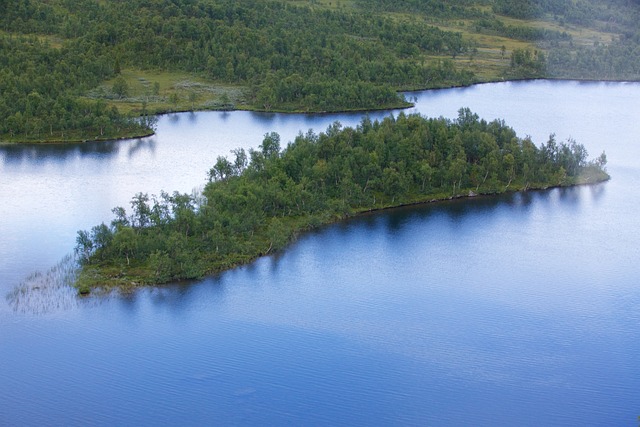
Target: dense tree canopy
(40,87)
(287,55)
(256,202)
(290,57)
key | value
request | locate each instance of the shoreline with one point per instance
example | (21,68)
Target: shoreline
(75,141)
(129,284)
(473,195)
(342,111)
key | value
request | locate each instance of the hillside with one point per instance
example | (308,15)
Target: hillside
(90,69)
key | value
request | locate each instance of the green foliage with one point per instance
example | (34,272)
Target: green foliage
(521,32)
(39,87)
(619,59)
(291,57)
(433,8)
(284,55)
(522,9)
(258,202)
(526,63)
(120,88)
(582,12)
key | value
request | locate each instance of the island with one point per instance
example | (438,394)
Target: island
(259,201)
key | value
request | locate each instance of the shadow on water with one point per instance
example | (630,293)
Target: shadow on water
(598,191)
(174,117)
(38,153)
(263,117)
(41,293)
(314,120)
(57,152)
(178,296)
(455,210)
(141,145)
(570,195)
(394,222)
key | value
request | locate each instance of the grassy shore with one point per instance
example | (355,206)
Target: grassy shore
(164,91)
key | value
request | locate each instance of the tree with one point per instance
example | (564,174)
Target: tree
(84,246)
(101,236)
(456,171)
(125,242)
(510,167)
(241,160)
(266,97)
(173,99)
(225,101)
(102,123)
(141,216)
(393,183)
(222,170)
(426,172)
(278,235)
(193,97)
(601,161)
(270,145)
(120,87)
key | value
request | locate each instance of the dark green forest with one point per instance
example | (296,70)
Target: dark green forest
(290,57)
(256,202)
(316,55)
(40,87)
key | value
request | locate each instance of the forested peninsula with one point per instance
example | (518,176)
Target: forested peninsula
(89,69)
(257,202)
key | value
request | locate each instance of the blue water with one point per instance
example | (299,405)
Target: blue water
(522,309)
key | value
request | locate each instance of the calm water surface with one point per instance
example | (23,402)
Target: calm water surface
(516,310)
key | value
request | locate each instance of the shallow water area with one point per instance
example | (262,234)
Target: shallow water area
(520,309)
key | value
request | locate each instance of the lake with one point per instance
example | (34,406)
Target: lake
(521,309)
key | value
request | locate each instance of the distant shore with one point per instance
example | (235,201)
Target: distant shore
(55,140)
